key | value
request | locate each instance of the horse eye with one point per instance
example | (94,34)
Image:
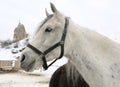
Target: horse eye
(48,29)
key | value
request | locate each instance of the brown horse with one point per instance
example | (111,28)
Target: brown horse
(61,78)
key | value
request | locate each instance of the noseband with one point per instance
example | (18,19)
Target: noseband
(60,43)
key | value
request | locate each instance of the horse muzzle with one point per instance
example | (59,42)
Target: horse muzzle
(26,64)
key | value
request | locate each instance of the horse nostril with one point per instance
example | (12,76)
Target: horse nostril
(22,58)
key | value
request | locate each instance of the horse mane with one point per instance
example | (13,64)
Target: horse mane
(67,76)
(74,77)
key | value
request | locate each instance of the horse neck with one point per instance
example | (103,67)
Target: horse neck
(90,52)
(77,40)
(83,41)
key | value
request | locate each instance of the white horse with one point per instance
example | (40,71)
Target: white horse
(96,57)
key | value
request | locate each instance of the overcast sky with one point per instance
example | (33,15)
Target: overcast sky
(100,15)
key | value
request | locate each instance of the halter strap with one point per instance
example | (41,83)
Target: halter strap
(60,43)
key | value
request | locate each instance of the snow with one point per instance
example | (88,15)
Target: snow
(5,54)
(21,79)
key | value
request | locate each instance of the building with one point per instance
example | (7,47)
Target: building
(9,61)
(19,32)
(9,65)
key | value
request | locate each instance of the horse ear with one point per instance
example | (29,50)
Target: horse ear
(47,14)
(53,8)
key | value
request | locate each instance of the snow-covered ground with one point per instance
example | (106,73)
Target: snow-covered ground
(22,79)
(37,78)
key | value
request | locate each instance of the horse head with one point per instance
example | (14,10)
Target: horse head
(47,43)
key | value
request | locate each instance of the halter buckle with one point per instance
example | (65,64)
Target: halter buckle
(61,42)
